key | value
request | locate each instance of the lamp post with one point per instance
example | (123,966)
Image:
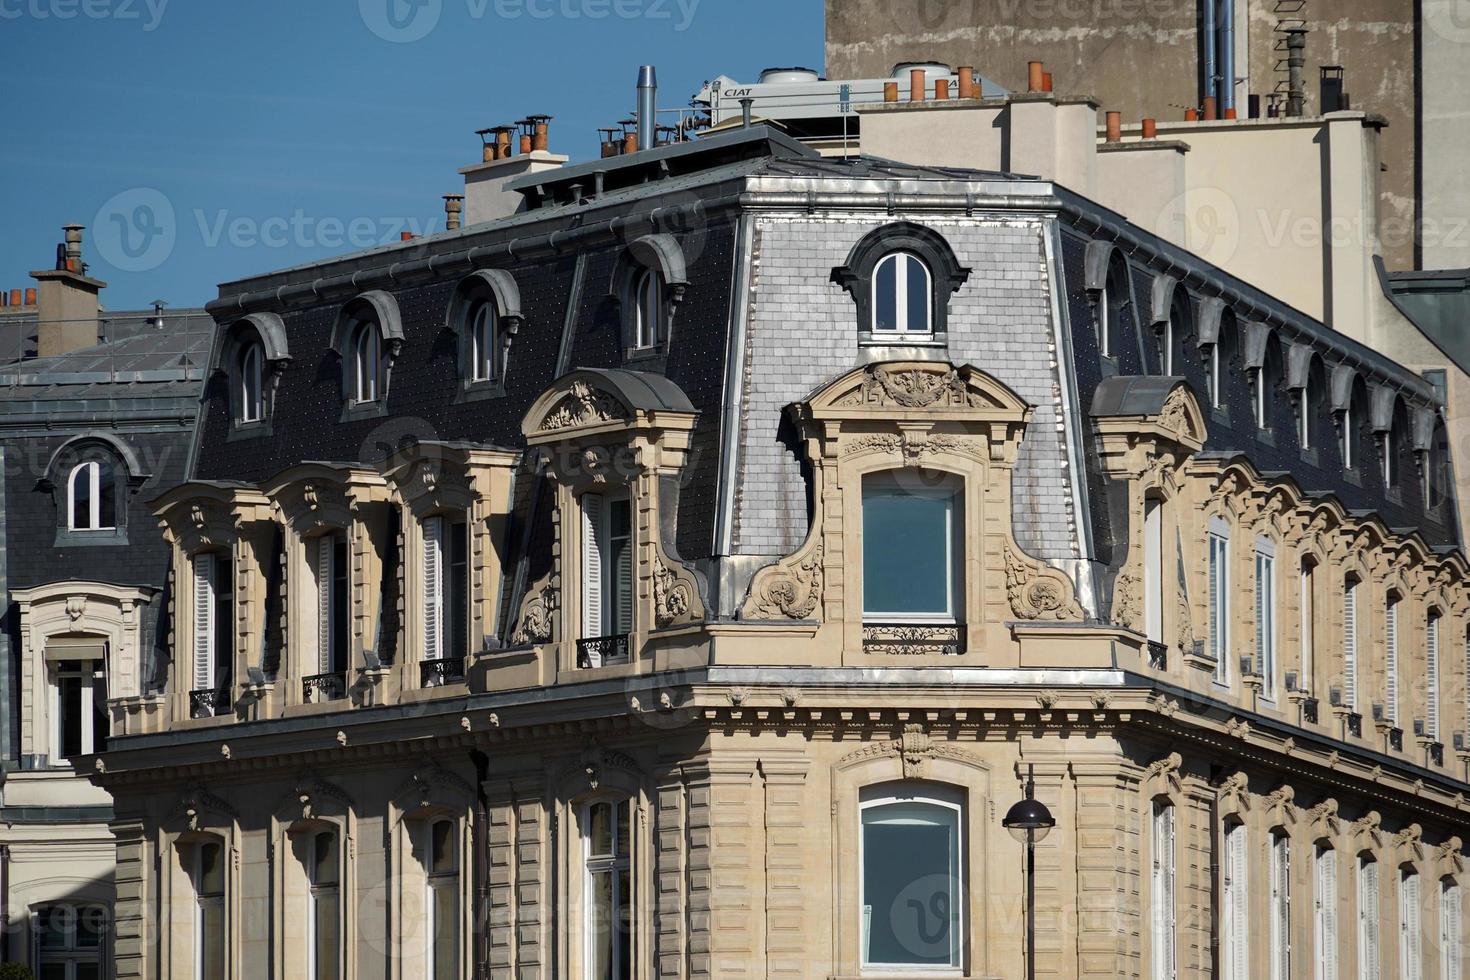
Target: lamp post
(1030,821)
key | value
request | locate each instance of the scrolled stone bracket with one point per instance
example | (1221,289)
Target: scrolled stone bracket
(1036,590)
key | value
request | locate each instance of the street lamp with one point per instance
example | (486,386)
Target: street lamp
(1030,821)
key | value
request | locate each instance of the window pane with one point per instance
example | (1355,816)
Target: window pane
(446,932)
(624,819)
(906,550)
(601,817)
(620,566)
(326,934)
(211,870)
(885,295)
(55,924)
(324,870)
(340,605)
(910,860)
(442,846)
(53,971)
(917,294)
(81,496)
(89,927)
(625,924)
(599,929)
(86,970)
(458,582)
(212,941)
(71,714)
(106,496)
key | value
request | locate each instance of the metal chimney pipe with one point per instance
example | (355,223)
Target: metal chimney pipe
(647,106)
(1227,58)
(745,107)
(1208,71)
(73,245)
(1296,63)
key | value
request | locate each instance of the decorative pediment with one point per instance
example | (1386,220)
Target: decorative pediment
(596,765)
(1036,590)
(918,386)
(914,748)
(201,516)
(584,405)
(312,798)
(433,785)
(198,809)
(604,399)
(439,476)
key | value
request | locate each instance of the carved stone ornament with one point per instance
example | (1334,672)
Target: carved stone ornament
(1127,601)
(1282,797)
(914,446)
(584,405)
(1174,416)
(538,613)
(913,747)
(76,607)
(912,388)
(789,589)
(1186,622)
(1323,817)
(673,596)
(1036,590)
(1165,769)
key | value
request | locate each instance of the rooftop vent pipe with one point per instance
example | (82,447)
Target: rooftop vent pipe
(1296,63)
(647,106)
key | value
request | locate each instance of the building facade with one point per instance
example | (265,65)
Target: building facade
(681,576)
(97,410)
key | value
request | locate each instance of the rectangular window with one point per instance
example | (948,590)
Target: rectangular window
(1325,913)
(441,857)
(1450,951)
(1369,960)
(1391,661)
(1308,603)
(1219,598)
(79,708)
(205,634)
(446,587)
(607,566)
(206,868)
(323,877)
(910,858)
(608,888)
(1350,645)
(1162,892)
(1235,931)
(332,606)
(1280,907)
(1431,720)
(1411,944)
(1153,568)
(909,559)
(1266,615)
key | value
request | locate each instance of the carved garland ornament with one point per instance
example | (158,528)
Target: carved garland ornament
(789,589)
(1038,591)
(913,747)
(914,447)
(584,405)
(537,615)
(912,388)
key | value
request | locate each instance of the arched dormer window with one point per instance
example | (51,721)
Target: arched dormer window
(1310,383)
(648,284)
(367,339)
(366,365)
(1350,412)
(90,479)
(1264,365)
(648,305)
(903,297)
(1172,323)
(251,383)
(1219,348)
(484,345)
(92,496)
(901,277)
(485,316)
(249,361)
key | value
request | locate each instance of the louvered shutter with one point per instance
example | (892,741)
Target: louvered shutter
(1327,914)
(1370,967)
(1391,662)
(591,565)
(1237,937)
(1413,928)
(1217,640)
(1164,894)
(1449,931)
(1432,643)
(203,622)
(1350,646)
(433,588)
(324,603)
(1281,907)
(1261,587)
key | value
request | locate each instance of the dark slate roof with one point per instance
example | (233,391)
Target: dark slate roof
(1438,303)
(642,391)
(146,361)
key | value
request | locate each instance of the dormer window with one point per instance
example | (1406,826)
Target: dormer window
(366,365)
(367,338)
(251,381)
(648,308)
(607,578)
(92,497)
(903,296)
(484,336)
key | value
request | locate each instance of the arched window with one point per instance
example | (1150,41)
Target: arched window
(609,930)
(1450,950)
(1266,377)
(1235,927)
(441,903)
(364,347)
(1324,917)
(1162,892)
(910,856)
(204,863)
(1307,605)
(1391,658)
(648,308)
(1350,421)
(903,296)
(1280,906)
(1309,403)
(1369,953)
(92,496)
(1437,468)
(1392,445)
(1411,932)
(1350,643)
(251,383)
(484,346)
(1431,644)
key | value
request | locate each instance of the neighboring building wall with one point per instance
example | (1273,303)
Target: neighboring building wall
(1445,131)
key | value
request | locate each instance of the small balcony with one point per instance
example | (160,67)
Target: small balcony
(1436,753)
(914,639)
(318,688)
(1158,655)
(1355,724)
(1310,709)
(205,704)
(602,651)
(1396,739)
(441,671)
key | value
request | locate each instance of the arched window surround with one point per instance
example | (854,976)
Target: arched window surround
(653,265)
(486,294)
(264,333)
(367,339)
(859,273)
(79,459)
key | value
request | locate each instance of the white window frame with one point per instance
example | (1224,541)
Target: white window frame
(1166,362)
(1307,613)
(1411,932)
(1431,669)
(1235,911)
(435,882)
(432,596)
(1324,929)
(1386,449)
(648,309)
(952,581)
(1165,925)
(71,668)
(1265,588)
(315,893)
(1280,906)
(1153,568)
(484,342)
(1346,440)
(366,351)
(1214,375)
(1350,643)
(606,864)
(92,471)
(196,873)
(1370,947)
(324,569)
(252,384)
(1391,660)
(901,287)
(956,812)
(1450,951)
(204,567)
(1217,543)
(1258,396)
(1303,414)
(597,595)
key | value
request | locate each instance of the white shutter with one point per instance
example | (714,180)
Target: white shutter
(1369,967)
(1431,720)
(1164,951)
(324,603)
(1281,907)
(1391,663)
(433,588)
(1350,646)
(591,565)
(203,622)
(1237,933)
(1410,947)
(1217,623)
(1449,932)
(1327,914)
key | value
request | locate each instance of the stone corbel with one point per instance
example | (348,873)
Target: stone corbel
(675,593)
(536,620)
(1036,590)
(1322,820)
(790,589)
(1280,810)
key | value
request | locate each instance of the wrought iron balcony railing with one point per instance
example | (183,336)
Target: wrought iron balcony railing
(1158,655)
(1355,724)
(1396,739)
(441,671)
(324,687)
(913,639)
(1436,753)
(204,704)
(600,651)
(1309,710)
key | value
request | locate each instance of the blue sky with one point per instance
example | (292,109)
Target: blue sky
(204,141)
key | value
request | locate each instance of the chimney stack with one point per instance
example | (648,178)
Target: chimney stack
(647,106)
(485,197)
(453,209)
(66,300)
(918,81)
(967,82)
(1114,126)
(1296,63)
(1035,77)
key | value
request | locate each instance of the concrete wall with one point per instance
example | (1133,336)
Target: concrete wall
(1446,135)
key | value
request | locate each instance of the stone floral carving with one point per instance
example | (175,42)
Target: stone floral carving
(914,447)
(1185,622)
(912,388)
(538,611)
(1038,591)
(584,405)
(914,748)
(672,597)
(1127,600)
(789,589)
